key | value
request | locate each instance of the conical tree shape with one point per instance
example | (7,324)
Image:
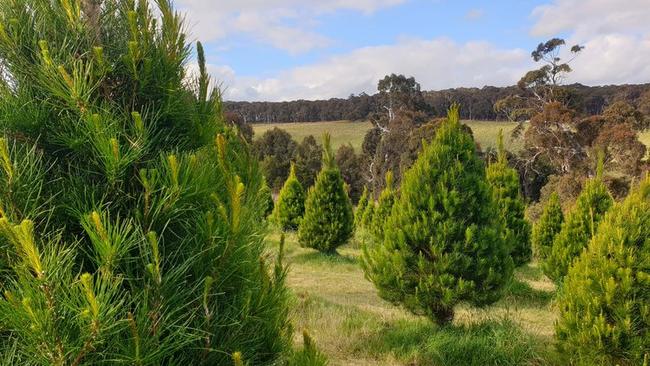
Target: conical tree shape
(361,207)
(444,241)
(291,203)
(605,300)
(329,221)
(131,219)
(506,192)
(368,213)
(384,206)
(547,228)
(578,228)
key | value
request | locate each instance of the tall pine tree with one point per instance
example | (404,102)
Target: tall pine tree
(329,221)
(291,202)
(361,207)
(506,192)
(444,241)
(131,219)
(548,226)
(578,228)
(605,300)
(385,204)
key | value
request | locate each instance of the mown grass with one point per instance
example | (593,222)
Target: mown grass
(353,326)
(344,132)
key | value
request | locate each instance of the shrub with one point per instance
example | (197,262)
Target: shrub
(361,207)
(349,164)
(604,303)
(131,229)
(579,226)
(548,226)
(275,149)
(505,191)
(444,241)
(384,206)
(308,157)
(291,203)
(328,222)
(368,213)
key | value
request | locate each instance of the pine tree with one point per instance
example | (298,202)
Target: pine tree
(361,207)
(368,212)
(131,218)
(506,192)
(329,221)
(385,204)
(548,226)
(578,228)
(444,241)
(605,300)
(291,203)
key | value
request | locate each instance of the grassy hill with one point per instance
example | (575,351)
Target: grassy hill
(348,132)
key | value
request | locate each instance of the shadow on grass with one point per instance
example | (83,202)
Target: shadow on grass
(323,258)
(422,343)
(522,293)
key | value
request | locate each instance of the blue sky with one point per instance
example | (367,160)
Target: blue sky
(312,49)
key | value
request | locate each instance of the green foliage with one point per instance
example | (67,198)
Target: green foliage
(361,207)
(291,203)
(548,226)
(349,164)
(309,355)
(308,158)
(444,241)
(329,221)
(275,149)
(385,204)
(578,228)
(131,218)
(505,191)
(605,301)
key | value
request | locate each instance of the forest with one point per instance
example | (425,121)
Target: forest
(478,104)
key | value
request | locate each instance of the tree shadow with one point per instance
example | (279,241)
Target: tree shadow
(522,293)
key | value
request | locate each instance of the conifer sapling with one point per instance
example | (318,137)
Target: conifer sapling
(290,207)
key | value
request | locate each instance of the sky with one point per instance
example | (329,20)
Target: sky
(277,50)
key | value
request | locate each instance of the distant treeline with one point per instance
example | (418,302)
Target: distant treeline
(477,104)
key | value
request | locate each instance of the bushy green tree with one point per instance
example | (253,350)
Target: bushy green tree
(605,301)
(385,204)
(291,203)
(368,212)
(548,226)
(444,241)
(578,228)
(361,207)
(275,149)
(329,221)
(131,226)
(506,192)
(308,158)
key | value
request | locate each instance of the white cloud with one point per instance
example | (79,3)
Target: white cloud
(436,64)
(284,24)
(615,33)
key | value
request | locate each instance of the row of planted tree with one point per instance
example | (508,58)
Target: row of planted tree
(455,230)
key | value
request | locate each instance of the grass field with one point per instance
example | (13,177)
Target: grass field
(347,132)
(353,326)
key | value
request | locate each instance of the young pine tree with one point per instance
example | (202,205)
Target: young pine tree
(506,192)
(291,203)
(329,221)
(547,228)
(385,204)
(578,228)
(444,242)
(131,219)
(361,207)
(605,301)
